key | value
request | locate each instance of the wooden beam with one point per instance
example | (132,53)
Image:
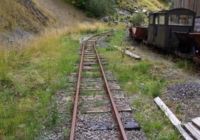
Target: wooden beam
(129,53)
(192,130)
(174,120)
(196,122)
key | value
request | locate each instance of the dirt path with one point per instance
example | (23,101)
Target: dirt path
(64,14)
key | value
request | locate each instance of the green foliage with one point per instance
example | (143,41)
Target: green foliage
(97,8)
(138,19)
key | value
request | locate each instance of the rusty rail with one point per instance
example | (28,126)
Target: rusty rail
(107,88)
(115,111)
(75,109)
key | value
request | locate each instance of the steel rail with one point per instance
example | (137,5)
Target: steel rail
(77,94)
(75,109)
(116,113)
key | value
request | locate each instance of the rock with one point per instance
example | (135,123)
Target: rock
(131,125)
(106,19)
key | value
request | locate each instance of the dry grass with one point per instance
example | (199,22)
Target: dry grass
(13,15)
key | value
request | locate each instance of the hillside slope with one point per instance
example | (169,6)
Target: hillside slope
(20,19)
(128,10)
(65,14)
(21,14)
(149,5)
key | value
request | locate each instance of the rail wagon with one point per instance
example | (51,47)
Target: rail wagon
(196,37)
(138,33)
(164,25)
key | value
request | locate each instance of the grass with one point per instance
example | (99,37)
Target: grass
(142,84)
(30,75)
(187,65)
(91,74)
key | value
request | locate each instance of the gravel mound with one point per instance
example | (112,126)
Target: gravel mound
(184,91)
(184,100)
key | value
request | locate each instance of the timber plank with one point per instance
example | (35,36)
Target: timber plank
(196,122)
(192,130)
(174,120)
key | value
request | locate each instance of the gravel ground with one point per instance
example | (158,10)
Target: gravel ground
(184,100)
(96,121)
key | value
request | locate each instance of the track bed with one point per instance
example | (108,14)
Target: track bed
(101,110)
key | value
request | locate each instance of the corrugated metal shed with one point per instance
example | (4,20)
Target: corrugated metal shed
(197,25)
(189,4)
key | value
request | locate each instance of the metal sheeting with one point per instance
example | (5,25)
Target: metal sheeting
(189,4)
(197,25)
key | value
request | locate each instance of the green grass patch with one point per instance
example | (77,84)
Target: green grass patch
(186,65)
(90,74)
(29,77)
(140,81)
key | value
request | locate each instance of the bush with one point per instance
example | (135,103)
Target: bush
(138,19)
(97,8)
(100,8)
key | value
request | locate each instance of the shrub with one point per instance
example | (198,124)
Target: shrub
(138,19)
(95,7)
(100,8)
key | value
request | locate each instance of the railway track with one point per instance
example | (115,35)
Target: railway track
(100,109)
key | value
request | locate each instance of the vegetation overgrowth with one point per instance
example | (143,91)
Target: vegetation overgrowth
(31,75)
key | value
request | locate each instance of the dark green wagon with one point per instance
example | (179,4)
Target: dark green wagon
(164,25)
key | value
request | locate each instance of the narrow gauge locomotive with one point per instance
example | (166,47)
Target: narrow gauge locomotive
(171,30)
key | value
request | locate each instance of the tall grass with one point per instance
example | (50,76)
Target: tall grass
(29,77)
